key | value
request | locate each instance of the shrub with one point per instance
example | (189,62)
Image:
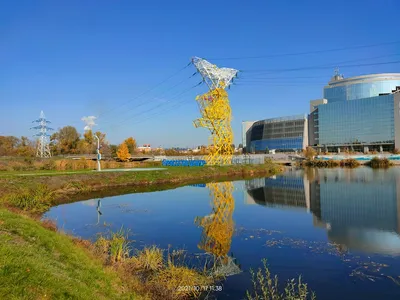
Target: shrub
(396,151)
(349,162)
(377,162)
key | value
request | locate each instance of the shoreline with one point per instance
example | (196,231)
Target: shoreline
(33,246)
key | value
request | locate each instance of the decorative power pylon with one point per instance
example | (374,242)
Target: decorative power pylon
(216,111)
(43,148)
(218,227)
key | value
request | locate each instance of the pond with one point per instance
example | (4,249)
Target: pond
(338,228)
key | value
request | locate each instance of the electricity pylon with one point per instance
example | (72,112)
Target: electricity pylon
(218,228)
(43,148)
(216,111)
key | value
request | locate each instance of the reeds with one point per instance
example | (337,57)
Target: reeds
(267,288)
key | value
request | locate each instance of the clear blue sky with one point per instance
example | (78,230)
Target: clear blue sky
(80,58)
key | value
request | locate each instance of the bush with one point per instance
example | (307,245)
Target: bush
(396,151)
(377,162)
(349,163)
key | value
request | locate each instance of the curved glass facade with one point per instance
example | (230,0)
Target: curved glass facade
(362,121)
(361,87)
(286,133)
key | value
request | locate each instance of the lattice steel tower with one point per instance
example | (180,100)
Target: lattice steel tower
(43,148)
(216,111)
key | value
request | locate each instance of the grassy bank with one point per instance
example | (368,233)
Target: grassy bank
(37,263)
(68,187)
(24,164)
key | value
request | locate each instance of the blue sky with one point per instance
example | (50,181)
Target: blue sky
(80,58)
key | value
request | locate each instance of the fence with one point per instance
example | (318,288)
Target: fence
(183,163)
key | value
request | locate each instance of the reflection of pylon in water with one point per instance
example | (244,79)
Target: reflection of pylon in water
(219,226)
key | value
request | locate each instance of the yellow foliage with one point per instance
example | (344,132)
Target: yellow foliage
(123,152)
(131,143)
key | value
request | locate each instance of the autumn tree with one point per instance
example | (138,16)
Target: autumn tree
(131,143)
(309,153)
(66,140)
(123,152)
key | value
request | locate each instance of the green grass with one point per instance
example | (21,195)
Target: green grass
(76,186)
(37,199)
(36,263)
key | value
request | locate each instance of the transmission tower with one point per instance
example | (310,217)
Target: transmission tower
(216,111)
(218,228)
(43,148)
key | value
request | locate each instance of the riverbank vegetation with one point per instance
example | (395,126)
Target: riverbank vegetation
(266,288)
(375,162)
(331,163)
(64,187)
(379,163)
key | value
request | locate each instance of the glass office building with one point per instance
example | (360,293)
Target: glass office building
(358,112)
(285,134)
(363,121)
(341,89)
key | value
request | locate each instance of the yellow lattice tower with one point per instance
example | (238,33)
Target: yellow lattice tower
(216,111)
(219,226)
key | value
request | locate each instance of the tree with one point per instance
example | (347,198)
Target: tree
(113,150)
(8,145)
(131,143)
(123,152)
(66,140)
(266,150)
(309,153)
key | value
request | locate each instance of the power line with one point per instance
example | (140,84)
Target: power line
(245,76)
(155,107)
(306,53)
(320,67)
(147,101)
(147,91)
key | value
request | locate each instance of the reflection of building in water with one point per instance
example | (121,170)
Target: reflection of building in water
(290,190)
(218,228)
(359,208)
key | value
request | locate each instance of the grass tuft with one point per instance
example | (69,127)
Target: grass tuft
(37,199)
(266,288)
(150,258)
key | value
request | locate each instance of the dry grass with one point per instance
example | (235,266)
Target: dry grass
(266,288)
(149,259)
(36,164)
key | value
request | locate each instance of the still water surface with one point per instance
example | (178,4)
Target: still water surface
(338,228)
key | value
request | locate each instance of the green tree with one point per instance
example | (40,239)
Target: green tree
(123,152)
(131,143)
(66,140)
(266,150)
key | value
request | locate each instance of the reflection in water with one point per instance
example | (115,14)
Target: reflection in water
(218,228)
(360,209)
(99,213)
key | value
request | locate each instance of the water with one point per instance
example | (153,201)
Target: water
(292,220)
